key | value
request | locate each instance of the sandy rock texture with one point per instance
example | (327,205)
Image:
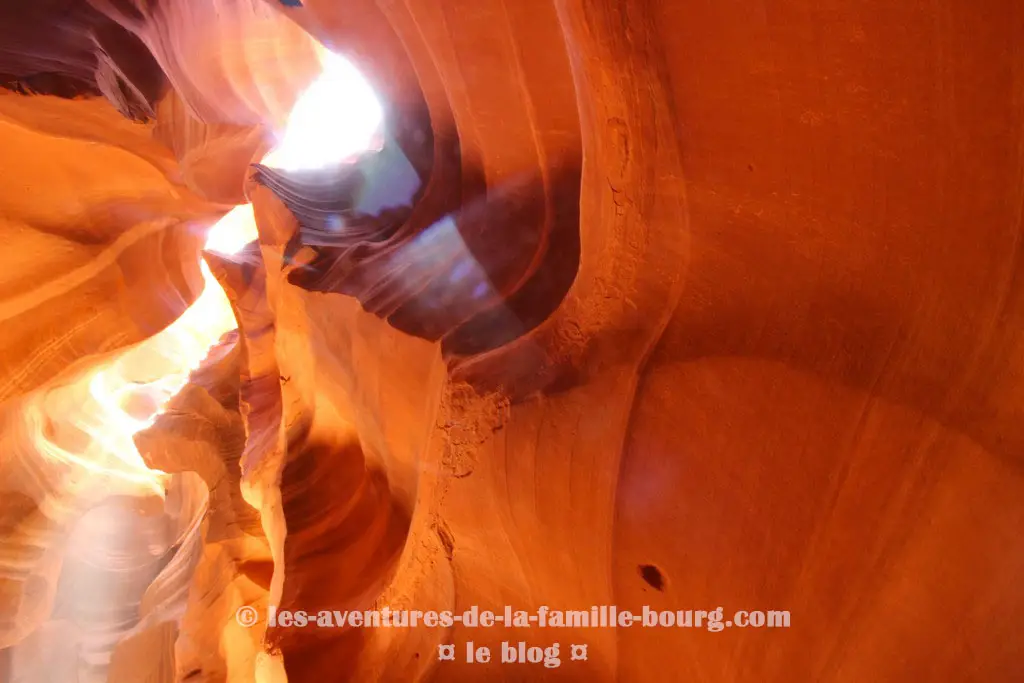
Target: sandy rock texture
(684,304)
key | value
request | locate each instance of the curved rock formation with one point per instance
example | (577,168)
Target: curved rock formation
(679,304)
(68,49)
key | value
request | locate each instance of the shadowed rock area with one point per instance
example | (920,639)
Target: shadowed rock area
(679,304)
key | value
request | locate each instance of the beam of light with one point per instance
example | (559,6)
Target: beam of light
(232,232)
(89,424)
(337,117)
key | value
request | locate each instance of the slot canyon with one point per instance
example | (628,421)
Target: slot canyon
(702,312)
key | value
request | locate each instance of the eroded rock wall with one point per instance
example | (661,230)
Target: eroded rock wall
(690,304)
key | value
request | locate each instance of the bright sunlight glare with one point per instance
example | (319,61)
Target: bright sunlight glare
(337,117)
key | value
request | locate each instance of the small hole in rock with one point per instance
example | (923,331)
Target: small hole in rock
(652,575)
